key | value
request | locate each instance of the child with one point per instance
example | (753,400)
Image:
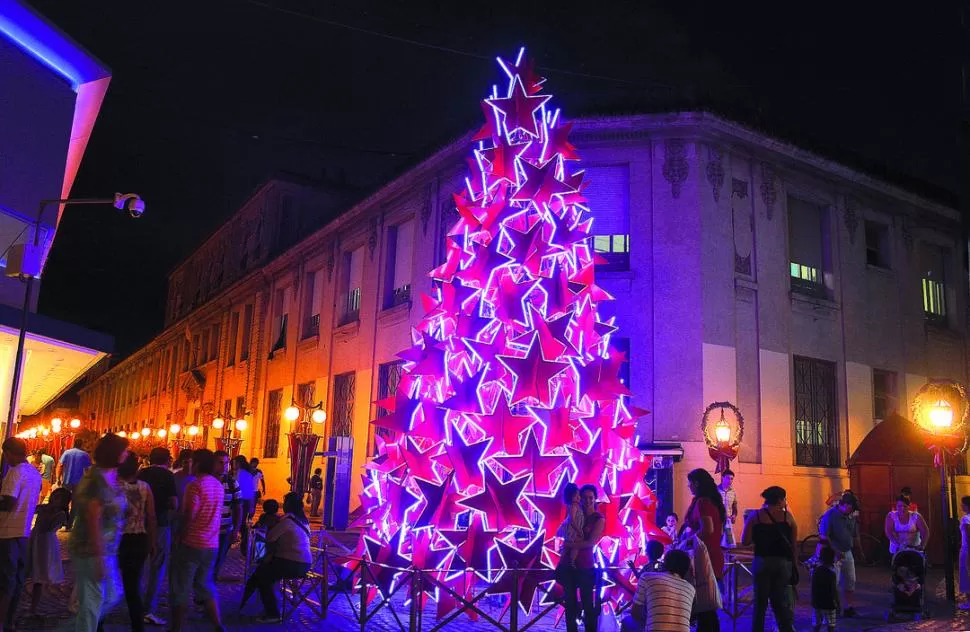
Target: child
(670,527)
(655,553)
(965,551)
(316,491)
(825,591)
(908,581)
(44,565)
(571,529)
(271,511)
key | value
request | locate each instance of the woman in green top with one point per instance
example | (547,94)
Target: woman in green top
(93,544)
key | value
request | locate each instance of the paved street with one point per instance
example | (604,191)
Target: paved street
(873,599)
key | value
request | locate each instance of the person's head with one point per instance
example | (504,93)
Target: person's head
(254,463)
(239,463)
(203,462)
(160,456)
(677,562)
(78,443)
(906,491)
(902,504)
(672,520)
(655,550)
(109,451)
(965,504)
(702,485)
(14,450)
(570,493)
(827,556)
(41,452)
(271,507)
(318,471)
(848,503)
(587,498)
(222,463)
(775,496)
(185,459)
(60,498)
(293,505)
(727,479)
(128,469)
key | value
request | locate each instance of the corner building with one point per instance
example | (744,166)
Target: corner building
(815,297)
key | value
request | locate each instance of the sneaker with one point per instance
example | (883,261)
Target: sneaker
(849,613)
(268,619)
(153,619)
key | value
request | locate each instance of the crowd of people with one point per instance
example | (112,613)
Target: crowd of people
(134,525)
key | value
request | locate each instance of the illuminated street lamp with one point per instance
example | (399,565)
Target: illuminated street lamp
(723,437)
(940,411)
(75,423)
(303,442)
(227,441)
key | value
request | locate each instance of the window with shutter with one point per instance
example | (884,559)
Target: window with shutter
(816,413)
(271,438)
(344,387)
(313,289)
(608,197)
(933,273)
(400,247)
(353,280)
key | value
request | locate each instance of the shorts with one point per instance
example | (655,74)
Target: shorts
(846,571)
(13,564)
(191,568)
(824,617)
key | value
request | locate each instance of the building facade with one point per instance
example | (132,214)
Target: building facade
(816,298)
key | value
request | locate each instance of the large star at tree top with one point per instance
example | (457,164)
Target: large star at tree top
(499,501)
(532,374)
(519,109)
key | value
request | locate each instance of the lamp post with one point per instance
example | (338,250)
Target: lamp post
(130,202)
(723,437)
(940,411)
(228,442)
(303,442)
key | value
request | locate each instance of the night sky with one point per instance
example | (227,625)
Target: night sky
(211,97)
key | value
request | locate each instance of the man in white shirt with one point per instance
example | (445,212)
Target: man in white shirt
(663,600)
(18,500)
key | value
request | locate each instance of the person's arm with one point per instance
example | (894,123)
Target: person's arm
(734,508)
(594,537)
(10,490)
(747,534)
(190,505)
(888,528)
(794,537)
(262,484)
(151,521)
(924,532)
(237,519)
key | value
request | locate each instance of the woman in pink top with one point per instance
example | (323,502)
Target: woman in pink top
(583,576)
(706,516)
(195,556)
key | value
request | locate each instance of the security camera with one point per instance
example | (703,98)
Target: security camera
(130,202)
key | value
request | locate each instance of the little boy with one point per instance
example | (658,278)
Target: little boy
(270,515)
(825,591)
(571,529)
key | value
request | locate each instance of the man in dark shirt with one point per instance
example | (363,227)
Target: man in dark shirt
(316,491)
(162,483)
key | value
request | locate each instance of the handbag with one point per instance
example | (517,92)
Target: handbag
(795,578)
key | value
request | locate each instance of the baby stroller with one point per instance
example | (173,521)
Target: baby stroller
(908,585)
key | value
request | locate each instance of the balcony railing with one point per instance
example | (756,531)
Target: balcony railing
(311,326)
(400,295)
(352,307)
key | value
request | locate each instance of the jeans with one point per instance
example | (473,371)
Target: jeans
(583,579)
(96,597)
(315,495)
(132,554)
(221,553)
(191,569)
(13,572)
(772,582)
(708,621)
(267,575)
(156,566)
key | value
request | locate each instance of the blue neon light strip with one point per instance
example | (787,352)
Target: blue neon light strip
(32,33)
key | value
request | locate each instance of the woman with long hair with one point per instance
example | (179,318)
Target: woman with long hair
(138,538)
(706,516)
(289,557)
(773,532)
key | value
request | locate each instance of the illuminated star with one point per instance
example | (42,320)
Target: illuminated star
(463,458)
(428,357)
(387,559)
(504,159)
(467,394)
(550,505)
(521,587)
(541,184)
(499,502)
(419,461)
(531,459)
(559,142)
(440,503)
(474,545)
(506,427)
(532,374)
(519,109)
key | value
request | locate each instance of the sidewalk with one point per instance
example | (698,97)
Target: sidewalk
(872,603)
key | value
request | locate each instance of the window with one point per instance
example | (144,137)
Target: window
(884,401)
(816,416)
(214,343)
(877,244)
(353,275)
(608,196)
(271,440)
(247,328)
(304,394)
(227,411)
(280,316)
(233,338)
(400,240)
(807,244)
(240,407)
(312,292)
(388,379)
(343,405)
(933,272)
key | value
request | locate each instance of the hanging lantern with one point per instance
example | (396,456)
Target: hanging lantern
(723,437)
(940,412)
